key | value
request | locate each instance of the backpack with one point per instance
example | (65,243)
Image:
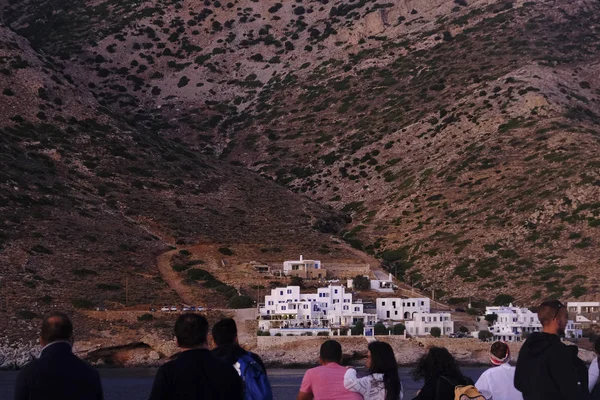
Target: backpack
(469,392)
(256,383)
(464,392)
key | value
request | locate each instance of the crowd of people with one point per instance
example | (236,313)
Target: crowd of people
(546,369)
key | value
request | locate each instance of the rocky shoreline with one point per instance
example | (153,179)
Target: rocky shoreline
(276,352)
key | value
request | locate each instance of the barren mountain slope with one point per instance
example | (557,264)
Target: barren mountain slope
(88,200)
(461,136)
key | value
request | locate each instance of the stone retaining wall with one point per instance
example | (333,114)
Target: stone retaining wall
(304,350)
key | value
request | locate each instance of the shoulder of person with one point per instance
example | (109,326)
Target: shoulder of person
(255,356)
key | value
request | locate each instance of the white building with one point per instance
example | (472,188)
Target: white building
(512,322)
(330,307)
(422,323)
(384,285)
(590,310)
(397,309)
(307,269)
(583,307)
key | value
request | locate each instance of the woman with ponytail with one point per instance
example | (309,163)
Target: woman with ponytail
(383,382)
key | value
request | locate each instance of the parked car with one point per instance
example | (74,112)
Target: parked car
(192,308)
(452,335)
(165,309)
(186,309)
(152,309)
(173,308)
(199,308)
(100,308)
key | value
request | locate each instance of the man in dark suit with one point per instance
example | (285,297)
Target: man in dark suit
(195,374)
(58,374)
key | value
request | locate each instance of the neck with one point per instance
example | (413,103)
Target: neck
(550,330)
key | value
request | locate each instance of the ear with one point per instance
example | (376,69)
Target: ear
(42,342)
(236,340)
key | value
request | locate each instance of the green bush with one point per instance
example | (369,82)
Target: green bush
(578,291)
(81,272)
(180,267)
(361,282)
(484,336)
(265,333)
(240,302)
(380,329)
(197,274)
(26,314)
(226,251)
(297,281)
(107,286)
(503,300)
(436,332)
(145,317)
(358,329)
(399,329)
(82,303)
(323,333)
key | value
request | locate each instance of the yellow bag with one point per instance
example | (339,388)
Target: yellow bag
(469,392)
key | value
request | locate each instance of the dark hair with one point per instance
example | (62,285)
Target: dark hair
(597,345)
(438,361)
(224,332)
(191,330)
(384,362)
(499,349)
(56,326)
(331,351)
(548,310)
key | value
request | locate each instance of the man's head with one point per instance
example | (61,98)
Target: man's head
(553,316)
(500,353)
(224,332)
(331,351)
(191,331)
(56,327)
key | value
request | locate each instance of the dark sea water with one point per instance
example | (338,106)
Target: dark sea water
(136,383)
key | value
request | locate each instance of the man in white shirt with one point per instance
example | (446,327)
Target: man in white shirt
(497,383)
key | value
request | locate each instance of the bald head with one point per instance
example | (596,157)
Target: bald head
(56,326)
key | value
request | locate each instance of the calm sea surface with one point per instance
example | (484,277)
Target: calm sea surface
(135,383)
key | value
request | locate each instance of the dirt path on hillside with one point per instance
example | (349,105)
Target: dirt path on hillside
(172,277)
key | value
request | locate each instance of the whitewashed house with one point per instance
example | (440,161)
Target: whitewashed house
(331,307)
(422,323)
(398,309)
(383,285)
(306,269)
(590,310)
(512,322)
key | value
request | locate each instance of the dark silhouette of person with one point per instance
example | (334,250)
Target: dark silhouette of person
(195,374)
(228,349)
(547,368)
(58,374)
(441,373)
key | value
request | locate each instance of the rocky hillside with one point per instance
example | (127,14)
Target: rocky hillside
(461,137)
(89,201)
